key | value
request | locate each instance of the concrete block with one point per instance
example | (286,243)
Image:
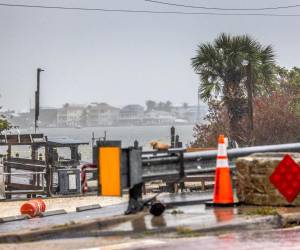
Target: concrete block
(53,212)
(89,207)
(14,218)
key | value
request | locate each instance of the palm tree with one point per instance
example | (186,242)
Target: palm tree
(224,75)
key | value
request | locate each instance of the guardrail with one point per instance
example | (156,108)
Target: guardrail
(176,163)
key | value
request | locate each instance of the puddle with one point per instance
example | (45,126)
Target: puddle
(196,215)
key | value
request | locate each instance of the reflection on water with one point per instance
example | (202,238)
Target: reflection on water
(224,214)
(158,221)
(194,216)
(139,224)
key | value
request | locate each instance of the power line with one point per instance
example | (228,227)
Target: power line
(147,11)
(224,9)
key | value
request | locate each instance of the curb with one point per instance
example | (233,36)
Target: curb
(71,229)
(93,228)
(288,219)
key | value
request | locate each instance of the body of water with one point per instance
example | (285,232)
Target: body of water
(128,134)
(144,134)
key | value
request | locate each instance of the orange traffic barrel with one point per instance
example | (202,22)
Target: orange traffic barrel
(33,207)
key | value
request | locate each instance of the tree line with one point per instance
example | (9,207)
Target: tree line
(162,106)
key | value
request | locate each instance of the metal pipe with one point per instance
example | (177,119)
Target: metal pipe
(232,153)
(238,152)
(25,173)
(25,191)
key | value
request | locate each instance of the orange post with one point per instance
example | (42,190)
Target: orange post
(110,171)
(223,194)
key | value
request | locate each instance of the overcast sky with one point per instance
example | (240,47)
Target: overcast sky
(121,58)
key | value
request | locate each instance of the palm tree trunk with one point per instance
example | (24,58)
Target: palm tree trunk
(249,86)
(235,105)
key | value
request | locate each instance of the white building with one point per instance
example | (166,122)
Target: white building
(158,118)
(101,114)
(70,115)
(132,114)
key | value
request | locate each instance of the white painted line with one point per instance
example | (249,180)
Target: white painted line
(133,244)
(93,248)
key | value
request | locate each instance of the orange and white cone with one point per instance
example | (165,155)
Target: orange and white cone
(223,194)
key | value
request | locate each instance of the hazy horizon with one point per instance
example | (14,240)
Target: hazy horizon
(121,58)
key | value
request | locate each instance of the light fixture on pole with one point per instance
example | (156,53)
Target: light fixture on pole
(37,100)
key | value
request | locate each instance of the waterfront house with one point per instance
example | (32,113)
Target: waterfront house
(70,115)
(157,117)
(101,114)
(132,114)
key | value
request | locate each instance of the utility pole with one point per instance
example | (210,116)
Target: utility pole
(249,86)
(37,100)
(198,105)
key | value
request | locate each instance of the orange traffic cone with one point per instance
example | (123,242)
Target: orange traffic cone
(223,195)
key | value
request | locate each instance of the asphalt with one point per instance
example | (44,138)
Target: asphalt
(73,217)
(105,212)
(272,240)
(191,217)
(279,239)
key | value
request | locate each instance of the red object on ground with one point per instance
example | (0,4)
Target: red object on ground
(33,207)
(286,178)
(223,188)
(85,167)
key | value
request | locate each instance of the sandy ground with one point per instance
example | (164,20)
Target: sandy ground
(10,208)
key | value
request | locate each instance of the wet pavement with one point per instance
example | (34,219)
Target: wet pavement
(72,217)
(108,211)
(193,217)
(288,239)
(274,240)
(179,227)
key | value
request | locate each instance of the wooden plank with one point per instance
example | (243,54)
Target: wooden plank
(18,186)
(25,192)
(34,168)
(26,161)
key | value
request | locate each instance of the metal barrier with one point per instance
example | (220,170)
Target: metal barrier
(175,165)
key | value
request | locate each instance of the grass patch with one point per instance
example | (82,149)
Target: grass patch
(145,234)
(187,232)
(177,211)
(261,211)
